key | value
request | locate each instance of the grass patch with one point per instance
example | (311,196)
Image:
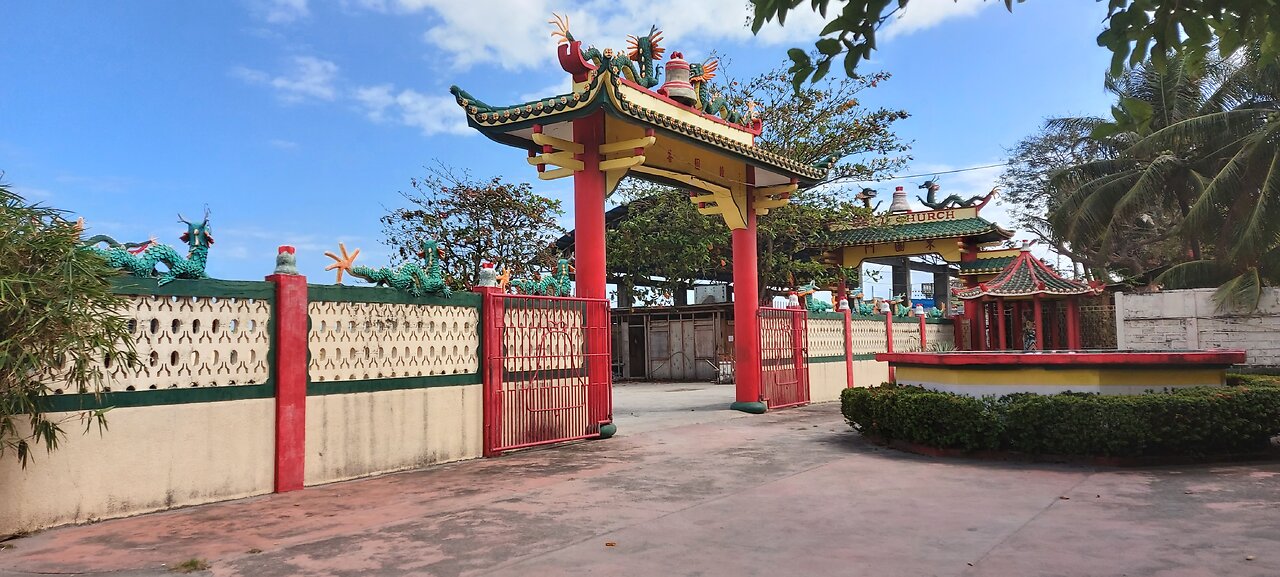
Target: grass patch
(191,566)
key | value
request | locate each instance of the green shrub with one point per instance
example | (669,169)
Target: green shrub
(1192,421)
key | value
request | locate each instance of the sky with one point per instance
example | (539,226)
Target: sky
(299,122)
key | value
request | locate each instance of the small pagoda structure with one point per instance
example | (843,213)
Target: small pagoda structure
(620,119)
(1025,298)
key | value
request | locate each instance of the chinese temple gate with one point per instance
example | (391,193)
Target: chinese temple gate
(615,123)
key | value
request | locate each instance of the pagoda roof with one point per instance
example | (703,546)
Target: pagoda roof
(988,262)
(1027,276)
(628,101)
(979,229)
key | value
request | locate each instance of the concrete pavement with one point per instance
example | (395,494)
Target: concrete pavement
(710,492)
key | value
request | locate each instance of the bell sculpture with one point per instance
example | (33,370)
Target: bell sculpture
(677,86)
(899,203)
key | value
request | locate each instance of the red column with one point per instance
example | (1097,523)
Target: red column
(1052,324)
(588,208)
(491,367)
(289,375)
(589,261)
(1073,324)
(924,345)
(1039,314)
(746,308)
(888,340)
(980,322)
(1000,329)
(848,348)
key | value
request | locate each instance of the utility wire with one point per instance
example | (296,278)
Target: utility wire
(906,176)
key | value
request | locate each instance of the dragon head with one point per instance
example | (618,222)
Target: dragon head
(197,235)
(930,185)
(704,72)
(563,268)
(640,46)
(866,194)
(430,251)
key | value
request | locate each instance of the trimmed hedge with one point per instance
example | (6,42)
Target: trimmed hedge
(1191,421)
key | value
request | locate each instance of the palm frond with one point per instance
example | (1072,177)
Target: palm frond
(1240,294)
(1194,274)
(1261,231)
(1189,135)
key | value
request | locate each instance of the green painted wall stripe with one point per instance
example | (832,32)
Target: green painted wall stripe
(827,315)
(131,285)
(319,388)
(830,359)
(864,356)
(376,294)
(151,398)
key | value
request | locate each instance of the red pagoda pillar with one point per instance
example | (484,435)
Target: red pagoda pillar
(1073,324)
(746,309)
(980,323)
(1000,328)
(1039,314)
(588,216)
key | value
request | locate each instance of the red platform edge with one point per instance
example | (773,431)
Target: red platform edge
(1222,357)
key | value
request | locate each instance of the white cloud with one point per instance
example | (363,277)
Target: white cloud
(430,114)
(515,34)
(283,144)
(281,11)
(924,14)
(32,193)
(311,78)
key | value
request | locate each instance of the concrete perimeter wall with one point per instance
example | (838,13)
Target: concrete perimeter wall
(867,335)
(392,382)
(1188,319)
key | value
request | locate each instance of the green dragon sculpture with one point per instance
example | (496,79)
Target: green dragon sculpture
(412,277)
(952,201)
(642,50)
(709,101)
(811,303)
(141,258)
(556,285)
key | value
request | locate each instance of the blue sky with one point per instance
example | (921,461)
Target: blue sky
(297,122)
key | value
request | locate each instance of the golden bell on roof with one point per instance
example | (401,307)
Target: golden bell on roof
(677,86)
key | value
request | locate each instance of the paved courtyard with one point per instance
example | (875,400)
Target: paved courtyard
(709,492)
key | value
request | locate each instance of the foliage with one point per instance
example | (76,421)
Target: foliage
(475,220)
(1198,162)
(821,123)
(191,566)
(56,323)
(1137,30)
(1191,421)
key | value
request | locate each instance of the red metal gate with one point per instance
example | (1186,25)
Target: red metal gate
(784,346)
(547,370)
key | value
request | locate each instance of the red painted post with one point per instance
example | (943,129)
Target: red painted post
(746,311)
(924,344)
(1000,329)
(1073,324)
(980,344)
(1039,314)
(289,373)
(588,208)
(491,367)
(848,348)
(888,339)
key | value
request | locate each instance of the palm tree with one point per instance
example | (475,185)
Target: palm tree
(1198,164)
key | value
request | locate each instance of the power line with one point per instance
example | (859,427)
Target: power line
(906,176)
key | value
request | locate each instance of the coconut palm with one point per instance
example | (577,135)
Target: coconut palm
(1197,163)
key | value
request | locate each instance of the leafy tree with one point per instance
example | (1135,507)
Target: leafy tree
(57,323)
(1137,30)
(475,220)
(663,242)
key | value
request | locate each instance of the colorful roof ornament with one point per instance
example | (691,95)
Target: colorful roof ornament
(682,133)
(1028,276)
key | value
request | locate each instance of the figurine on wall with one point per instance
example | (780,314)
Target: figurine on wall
(140,259)
(417,279)
(953,201)
(556,285)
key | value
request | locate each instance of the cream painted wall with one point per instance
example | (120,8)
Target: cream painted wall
(151,458)
(869,373)
(826,380)
(361,434)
